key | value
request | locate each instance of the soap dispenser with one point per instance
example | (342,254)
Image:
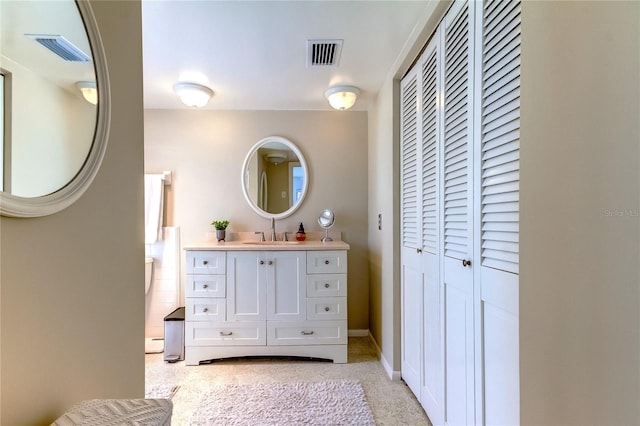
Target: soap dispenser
(300,235)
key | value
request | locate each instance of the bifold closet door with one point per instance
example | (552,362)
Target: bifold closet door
(422,349)
(457,214)
(497,187)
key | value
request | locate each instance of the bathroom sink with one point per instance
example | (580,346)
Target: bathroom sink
(270,243)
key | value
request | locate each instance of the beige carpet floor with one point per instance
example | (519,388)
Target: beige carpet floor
(391,402)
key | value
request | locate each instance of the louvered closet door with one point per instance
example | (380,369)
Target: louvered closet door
(411,273)
(432,393)
(498,187)
(457,214)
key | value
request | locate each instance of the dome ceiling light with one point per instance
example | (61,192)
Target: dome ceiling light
(193,94)
(342,97)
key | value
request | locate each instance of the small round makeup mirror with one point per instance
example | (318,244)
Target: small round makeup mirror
(326,219)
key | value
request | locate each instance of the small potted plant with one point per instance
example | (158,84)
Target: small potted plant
(221,226)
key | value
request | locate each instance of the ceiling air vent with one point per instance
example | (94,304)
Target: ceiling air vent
(61,47)
(323,53)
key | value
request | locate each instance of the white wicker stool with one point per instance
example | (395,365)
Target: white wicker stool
(112,412)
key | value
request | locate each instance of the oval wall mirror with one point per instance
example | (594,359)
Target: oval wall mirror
(275,177)
(55,132)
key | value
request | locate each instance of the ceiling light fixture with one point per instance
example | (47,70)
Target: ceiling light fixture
(276,158)
(89,91)
(193,94)
(342,97)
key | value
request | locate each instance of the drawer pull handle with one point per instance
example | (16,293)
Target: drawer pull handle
(327,285)
(327,309)
(306,333)
(326,262)
(205,263)
(205,285)
(205,310)
(226,333)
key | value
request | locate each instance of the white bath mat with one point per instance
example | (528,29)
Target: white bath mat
(153,346)
(307,403)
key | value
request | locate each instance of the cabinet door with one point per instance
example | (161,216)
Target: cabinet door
(246,286)
(286,285)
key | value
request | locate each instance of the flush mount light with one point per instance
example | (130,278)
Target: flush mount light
(193,94)
(276,158)
(89,91)
(342,97)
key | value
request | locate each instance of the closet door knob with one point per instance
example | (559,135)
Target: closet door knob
(466,262)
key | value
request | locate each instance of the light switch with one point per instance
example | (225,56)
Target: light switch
(284,194)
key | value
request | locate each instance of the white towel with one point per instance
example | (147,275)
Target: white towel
(153,203)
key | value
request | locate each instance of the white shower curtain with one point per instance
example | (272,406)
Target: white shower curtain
(153,204)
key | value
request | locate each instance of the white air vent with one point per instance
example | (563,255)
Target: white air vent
(61,47)
(323,53)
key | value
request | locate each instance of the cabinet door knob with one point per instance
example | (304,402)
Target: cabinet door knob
(270,262)
(327,309)
(205,262)
(226,333)
(327,285)
(306,333)
(466,262)
(205,310)
(262,262)
(418,250)
(205,285)
(326,262)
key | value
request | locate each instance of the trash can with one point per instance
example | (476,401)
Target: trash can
(174,336)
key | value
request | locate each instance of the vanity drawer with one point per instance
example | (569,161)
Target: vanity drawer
(224,333)
(326,285)
(307,333)
(327,262)
(327,308)
(206,262)
(205,309)
(205,286)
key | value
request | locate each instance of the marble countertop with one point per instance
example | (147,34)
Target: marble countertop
(267,245)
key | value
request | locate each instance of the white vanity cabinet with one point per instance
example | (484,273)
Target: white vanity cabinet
(252,302)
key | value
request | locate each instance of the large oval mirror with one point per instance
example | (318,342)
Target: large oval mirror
(275,177)
(55,130)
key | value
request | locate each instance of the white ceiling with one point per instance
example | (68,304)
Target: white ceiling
(253,54)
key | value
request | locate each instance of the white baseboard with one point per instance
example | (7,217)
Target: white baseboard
(358,333)
(393,375)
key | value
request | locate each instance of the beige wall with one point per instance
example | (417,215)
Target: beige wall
(579,223)
(72,299)
(205,151)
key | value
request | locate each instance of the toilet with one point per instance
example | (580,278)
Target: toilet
(148,273)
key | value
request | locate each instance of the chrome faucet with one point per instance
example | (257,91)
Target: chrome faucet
(261,235)
(273,229)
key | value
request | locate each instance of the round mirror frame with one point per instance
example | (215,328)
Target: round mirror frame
(14,206)
(303,163)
